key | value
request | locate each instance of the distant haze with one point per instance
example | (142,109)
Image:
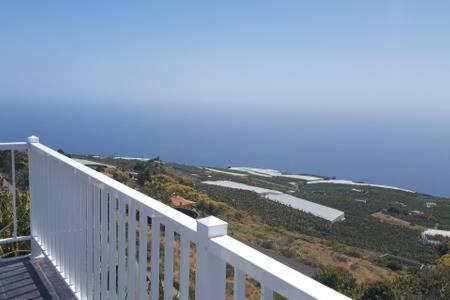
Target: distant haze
(412,153)
(353,89)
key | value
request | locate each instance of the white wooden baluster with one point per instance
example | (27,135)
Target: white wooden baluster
(73,228)
(90,241)
(97,248)
(51,210)
(104,244)
(112,245)
(42,201)
(154,288)
(83,237)
(74,225)
(239,284)
(36,203)
(46,203)
(184,267)
(68,230)
(132,250)
(65,211)
(266,293)
(168,262)
(121,245)
(71,213)
(77,233)
(61,216)
(58,178)
(211,271)
(54,212)
(142,253)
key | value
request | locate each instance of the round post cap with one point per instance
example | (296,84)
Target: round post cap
(33,139)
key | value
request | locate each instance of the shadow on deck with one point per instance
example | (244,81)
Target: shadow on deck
(25,278)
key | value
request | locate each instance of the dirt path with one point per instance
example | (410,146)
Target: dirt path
(396,221)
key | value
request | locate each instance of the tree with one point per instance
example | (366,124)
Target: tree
(427,284)
(444,260)
(337,279)
(120,175)
(61,150)
(443,247)
(378,291)
(139,167)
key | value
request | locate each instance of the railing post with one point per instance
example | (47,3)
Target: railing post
(211,270)
(13,179)
(35,249)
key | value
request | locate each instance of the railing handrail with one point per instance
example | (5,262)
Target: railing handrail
(279,277)
(105,182)
(14,146)
(214,247)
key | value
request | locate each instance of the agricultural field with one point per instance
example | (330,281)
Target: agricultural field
(377,242)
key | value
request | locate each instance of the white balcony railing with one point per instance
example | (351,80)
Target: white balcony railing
(95,231)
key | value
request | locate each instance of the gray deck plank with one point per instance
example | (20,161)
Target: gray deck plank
(23,278)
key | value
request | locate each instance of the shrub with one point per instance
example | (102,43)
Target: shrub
(268,244)
(427,284)
(337,279)
(392,263)
(442,248)
(444,261)
(288,252)
(378,291)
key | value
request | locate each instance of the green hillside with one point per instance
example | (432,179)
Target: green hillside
(376,249)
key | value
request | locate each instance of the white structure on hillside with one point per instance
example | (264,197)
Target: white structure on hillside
(318,210)
(427,236)
(92,164)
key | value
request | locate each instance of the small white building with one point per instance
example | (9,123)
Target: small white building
(427,236)
(430,204)
(417,213)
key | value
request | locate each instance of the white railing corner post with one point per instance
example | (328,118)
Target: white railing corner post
(32,139)
(35,248)
(36,251)
(211,270)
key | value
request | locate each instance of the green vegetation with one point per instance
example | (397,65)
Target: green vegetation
(336,279)
(425,284)
(272,213)
(6,223)
(21,159)
(344,252)
(22,204)
(360,231)
(392,263)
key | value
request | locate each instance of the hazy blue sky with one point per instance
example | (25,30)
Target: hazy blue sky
(356,89)
(380,56)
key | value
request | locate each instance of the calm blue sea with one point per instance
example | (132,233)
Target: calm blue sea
(409,152)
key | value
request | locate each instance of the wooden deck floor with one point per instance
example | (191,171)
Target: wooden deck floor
(23,278)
